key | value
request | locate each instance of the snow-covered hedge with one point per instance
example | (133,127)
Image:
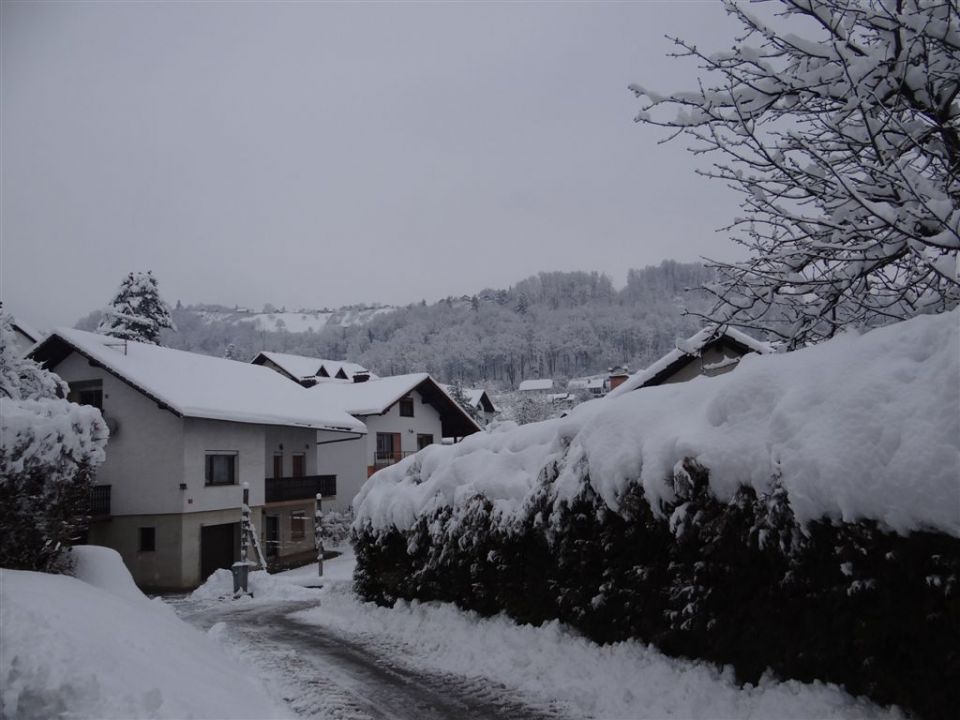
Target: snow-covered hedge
(801,514)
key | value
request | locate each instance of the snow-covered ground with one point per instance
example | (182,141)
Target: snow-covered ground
(550,670)
(93,646)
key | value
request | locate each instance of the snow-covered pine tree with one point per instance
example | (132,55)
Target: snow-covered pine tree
(839,122)
(137,312)
(231,352)
(49,450)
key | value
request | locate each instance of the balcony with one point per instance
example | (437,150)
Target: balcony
(389,457)
(300,488)
(100,501)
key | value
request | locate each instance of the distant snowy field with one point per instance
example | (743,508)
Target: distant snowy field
(93,646)
(298,322)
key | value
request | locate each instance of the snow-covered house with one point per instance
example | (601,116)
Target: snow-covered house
(187,432)
(536,385)
(479,400)
(26,337)
(402,414)
(307,370)
(712,351)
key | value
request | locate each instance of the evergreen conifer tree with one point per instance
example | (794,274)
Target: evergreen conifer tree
(137,312)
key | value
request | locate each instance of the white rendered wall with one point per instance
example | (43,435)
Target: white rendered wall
(347,460)
(425,420)
(145,459)
(212,436)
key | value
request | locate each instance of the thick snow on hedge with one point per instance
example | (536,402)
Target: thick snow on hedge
(97,647)
(859,427)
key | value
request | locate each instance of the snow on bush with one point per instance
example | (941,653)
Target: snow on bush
(799,515)
(49,450)
(860,427)
(73,649)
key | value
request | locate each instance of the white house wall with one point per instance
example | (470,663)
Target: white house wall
(287,441)
(145,458)
(425,421)
(347,460)
(212,436)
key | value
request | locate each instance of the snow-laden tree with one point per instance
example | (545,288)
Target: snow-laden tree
(839,122)
(137,312)
(49,450)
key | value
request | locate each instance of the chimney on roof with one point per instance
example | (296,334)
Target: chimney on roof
(361,376)
(617,375)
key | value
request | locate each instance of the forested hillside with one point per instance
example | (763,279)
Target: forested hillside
(557,324)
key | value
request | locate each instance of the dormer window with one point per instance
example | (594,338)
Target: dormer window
(406,407)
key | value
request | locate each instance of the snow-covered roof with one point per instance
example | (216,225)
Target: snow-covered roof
(536,384)
(301,367)
(474,396)
(333,367)
(201,386)
(24,329)
(297,366)
(595,383)
(691,347)
(377,395)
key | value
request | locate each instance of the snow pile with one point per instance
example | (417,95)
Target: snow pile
(860,427)
(554,664)
(75,649)
(103,568)
(261,584)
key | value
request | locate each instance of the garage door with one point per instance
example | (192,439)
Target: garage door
(219,547)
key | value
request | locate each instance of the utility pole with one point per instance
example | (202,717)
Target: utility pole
(318,531)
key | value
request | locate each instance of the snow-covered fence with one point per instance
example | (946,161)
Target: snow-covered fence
(809,525)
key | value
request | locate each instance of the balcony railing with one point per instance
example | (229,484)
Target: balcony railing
(300,488)
(382,458)
(100,500)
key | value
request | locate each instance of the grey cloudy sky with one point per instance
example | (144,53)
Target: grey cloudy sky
(312,154)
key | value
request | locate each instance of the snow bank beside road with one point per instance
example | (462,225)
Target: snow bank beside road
(554,664)
(75,649)
(860,427)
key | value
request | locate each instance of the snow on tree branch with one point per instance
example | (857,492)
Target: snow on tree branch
(137,312)
(839,122)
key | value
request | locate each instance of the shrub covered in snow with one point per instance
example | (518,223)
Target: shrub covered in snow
(801,514)
(49,449)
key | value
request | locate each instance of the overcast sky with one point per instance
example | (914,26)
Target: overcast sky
(316,154)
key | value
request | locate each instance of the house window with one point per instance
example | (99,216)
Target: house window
(388,447)
(423,440)
(87,392)
(406,407)
(148,539)
(298,525)
(278,465)
(221,469)
(299,465)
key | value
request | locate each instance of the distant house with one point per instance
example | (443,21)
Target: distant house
(307,370)
(479,400)
(402,414)
(26,336)
(187,431)
(536,385)
(712,351)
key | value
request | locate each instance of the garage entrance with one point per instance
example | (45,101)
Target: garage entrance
(219,547)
